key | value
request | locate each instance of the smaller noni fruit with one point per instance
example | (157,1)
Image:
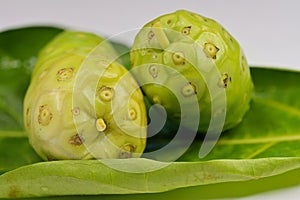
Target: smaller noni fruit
(184,56)
(82,103)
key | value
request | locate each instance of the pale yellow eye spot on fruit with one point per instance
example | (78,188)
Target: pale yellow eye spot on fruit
(188,90)
(211,50)
(45,115)
(106,93)
(178,58)
(132,114)
(76,111)
(100,125)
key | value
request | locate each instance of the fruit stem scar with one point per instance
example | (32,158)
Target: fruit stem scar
(160,35)
(100,125)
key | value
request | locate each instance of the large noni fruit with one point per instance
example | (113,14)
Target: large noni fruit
(82,103)
(184,56)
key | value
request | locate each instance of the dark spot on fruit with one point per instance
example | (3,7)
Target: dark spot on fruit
(28,116)
(126,151)
(64,74)
(150,35)
(186,30)
(76,140)
(13,192)
(45,115)
(51,158)
(224,80)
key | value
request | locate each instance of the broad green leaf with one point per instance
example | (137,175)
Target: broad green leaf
(97,177)
(15,151)
(18,52)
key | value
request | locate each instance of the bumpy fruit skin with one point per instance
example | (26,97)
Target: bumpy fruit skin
(178,40)
(54,116)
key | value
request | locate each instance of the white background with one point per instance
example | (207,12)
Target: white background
(268,30)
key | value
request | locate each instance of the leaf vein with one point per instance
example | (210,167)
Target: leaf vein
(260,150)
(259,140)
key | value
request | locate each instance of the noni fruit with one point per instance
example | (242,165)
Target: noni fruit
(82,103)
(184,56)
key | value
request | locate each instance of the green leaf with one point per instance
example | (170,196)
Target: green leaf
(18,52)
(97,177)
(15,151)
